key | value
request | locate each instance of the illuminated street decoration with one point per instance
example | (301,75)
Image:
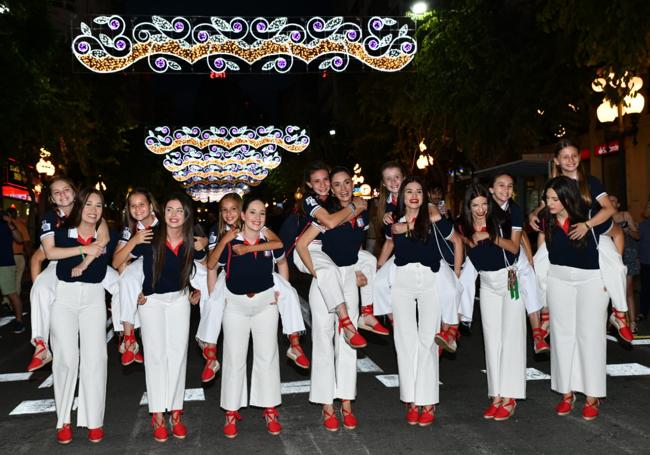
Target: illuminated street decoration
(237,44)
(292,138)
(211,161)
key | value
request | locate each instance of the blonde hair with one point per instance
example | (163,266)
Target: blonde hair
(236,198)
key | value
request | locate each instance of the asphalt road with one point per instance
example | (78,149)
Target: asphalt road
(459,427)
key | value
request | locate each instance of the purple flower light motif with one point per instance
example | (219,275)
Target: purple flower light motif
(83,47)
(296,36)
(278,134)
(120,44)
(407,47)
(337,61)
(160,62)
(261,26)
(195,130)
(206,135)
(373,43)
(179,26)
(165,130)
(178,135)
(377,24)
(318,25)
(222,131)
(282,63)
(202,36)
(114,24)
(149,141)
(219,62)
(237,27)
(352,35)
(251,135)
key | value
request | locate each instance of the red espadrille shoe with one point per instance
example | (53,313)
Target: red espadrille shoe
(355,340)
(349,419)
(540,346)
(296,353)
(160,433)
(41,356)
(330,422)
(506,410)
(95,435)
(591,410)
(272,425)
(427,416)
(619,320)
(367,321)
(179,430)
(565,406)
(545,317)
(491,411)
(446,339)
(64,434)
(412,414)
(210,371)
(230,428)
(131,348)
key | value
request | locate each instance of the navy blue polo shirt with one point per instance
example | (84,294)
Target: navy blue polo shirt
(250,272)
(488,257)
(51,221)
(6,242)
(310,205)
(127,234)
(169,280)
(96,271)
(213,236)
(409,250)
(514,214)
(564,251)
(596,191)
(342,244)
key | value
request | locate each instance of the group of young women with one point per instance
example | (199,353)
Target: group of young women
(425,285)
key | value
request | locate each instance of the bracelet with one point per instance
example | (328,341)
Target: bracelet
(81,251)
(353,207)
(587,224)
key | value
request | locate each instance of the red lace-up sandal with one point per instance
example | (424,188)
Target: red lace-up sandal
(367,321)
(64,434)
(131,349)
(506,410)
(540,346)
(272,425)
(330,422)
(565,406)
(591,410)
(210,372)
(179,430)
(446,339)
(230,428)
(619,320)
(41,357)
(349,419)
(412,414)
(160,433)
(355,341)
(428,416)
(296,353)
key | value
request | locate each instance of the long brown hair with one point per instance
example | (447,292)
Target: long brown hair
(129,221)
(60,178)
(585,195)
(380,211)
(159,243)
(422,227)
(237,199)
(74,220)
(306,189)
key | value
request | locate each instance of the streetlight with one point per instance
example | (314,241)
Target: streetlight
(45,166)
(419,8)
(424,160)
(332,132)
(100,185)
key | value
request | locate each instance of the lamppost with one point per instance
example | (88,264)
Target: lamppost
(621,96)
(100,185)
(424,160)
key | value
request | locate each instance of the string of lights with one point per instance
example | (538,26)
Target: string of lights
(235,44)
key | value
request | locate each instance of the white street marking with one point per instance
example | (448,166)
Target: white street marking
(38,407)
(110,335)
(49,381)
(6,320)
(13,377)
(190,395)
(627,369)
(366,365)
(389,380)
(291,388)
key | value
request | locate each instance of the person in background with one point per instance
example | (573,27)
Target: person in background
(630,255)
(9,234)
(644,259)
(23,250)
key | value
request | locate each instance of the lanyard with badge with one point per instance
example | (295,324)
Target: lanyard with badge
(513,282)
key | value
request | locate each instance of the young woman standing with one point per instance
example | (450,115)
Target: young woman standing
(334,368)
(593,197)
(502,189)
(41,297)
(78,320)
(251,309)
(317,188)
(577,299)
(503,313)
(139,219)
(416,303)
(168,262)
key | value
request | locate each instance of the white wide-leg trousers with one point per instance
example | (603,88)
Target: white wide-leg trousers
(78,331)
(416,313)
(577,302)
(245,316)
(41,297)
(504,334)
(329,280)
(334,363)
(165,331)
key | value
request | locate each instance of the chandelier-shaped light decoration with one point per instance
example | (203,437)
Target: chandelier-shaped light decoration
(113,43)
(211,161)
